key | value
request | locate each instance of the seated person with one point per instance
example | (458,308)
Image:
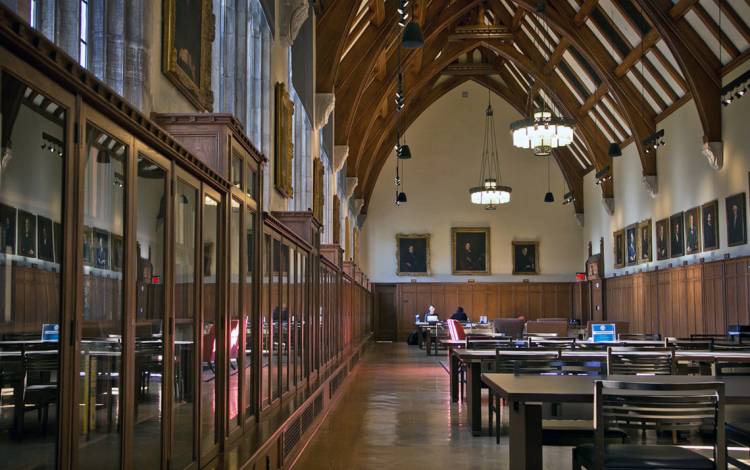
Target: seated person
(431,314)
(460,315)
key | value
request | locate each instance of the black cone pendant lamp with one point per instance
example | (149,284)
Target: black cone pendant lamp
(412,38)
(549,197)
(614,150)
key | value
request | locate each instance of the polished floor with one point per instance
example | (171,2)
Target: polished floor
(396,413)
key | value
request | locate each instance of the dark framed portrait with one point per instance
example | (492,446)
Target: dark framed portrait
(45,239)
(118,252)
(471,250)
(26,234)
(693,231)
(677,235)
(8,229)
(662,239)
(631,245)
(208,258)
(710,223)
(101,249)
(186,55)
(618,239)
(525,257)
(57,238)
(645,254)
(413,254)
(88,246)
(736,220)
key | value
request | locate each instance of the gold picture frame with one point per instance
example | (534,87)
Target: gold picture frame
(408,263)
(476,262)
(631,245)
(618,245)
(645,239)
(528,266)
(318,193)
(284,148)
(184,38)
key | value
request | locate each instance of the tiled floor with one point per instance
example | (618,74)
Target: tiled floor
(397,413)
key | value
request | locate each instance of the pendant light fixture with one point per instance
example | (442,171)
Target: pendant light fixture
(490,192)
(542,131)
(614,150)
(549,197)
(412,37)
(402,150)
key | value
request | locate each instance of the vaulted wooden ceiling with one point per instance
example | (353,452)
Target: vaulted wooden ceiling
(617,67)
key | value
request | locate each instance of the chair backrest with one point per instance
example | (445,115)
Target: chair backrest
(640,336)
(692,343)
(456,330)
(558,328)
(558,343)
(638,361)
(642,406)
(527,362)
(575,366)
(727,367)
(493,343)
(512,327)
(557,319)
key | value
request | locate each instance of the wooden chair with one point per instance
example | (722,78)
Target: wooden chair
(640,337)
(507,362)
(40,388)
(638,361)
(687,408)
(692,344)
(738,434)
(553,343)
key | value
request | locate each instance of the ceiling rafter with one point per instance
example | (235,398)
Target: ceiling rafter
(332,30)
(639,119)
(703,81)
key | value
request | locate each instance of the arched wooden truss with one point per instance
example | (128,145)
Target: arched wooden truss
(617,67)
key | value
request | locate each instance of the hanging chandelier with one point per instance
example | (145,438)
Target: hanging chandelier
(490,192)
(543,131)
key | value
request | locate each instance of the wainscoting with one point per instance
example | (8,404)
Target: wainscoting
(682,300)
(496,300)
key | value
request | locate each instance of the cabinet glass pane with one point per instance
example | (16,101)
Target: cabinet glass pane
(209,393)
(149,314)
(284,318)
(249,320)
(33,155)
(265,311)
(100,384)
(185,246)
(233,376)
(276,302)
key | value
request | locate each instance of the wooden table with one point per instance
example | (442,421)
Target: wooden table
(474,358)
(525,395)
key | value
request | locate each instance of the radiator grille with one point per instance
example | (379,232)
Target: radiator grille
(292,436)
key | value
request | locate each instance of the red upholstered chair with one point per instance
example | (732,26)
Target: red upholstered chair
(456,330)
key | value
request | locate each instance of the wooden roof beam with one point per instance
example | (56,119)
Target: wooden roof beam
(583,13)
(332,30)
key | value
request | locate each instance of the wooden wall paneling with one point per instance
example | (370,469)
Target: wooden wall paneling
(664,299)
(505,300)
(437,294)
(450,296)
(679,302)
(479,299)
(424,300)
(736,291)
(651,302)
(493,305)
(694,310)
(549,301)
(520,304)
(465,295)
(714,315)
(536,294)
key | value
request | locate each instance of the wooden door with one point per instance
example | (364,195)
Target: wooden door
(597,300)
(385,312)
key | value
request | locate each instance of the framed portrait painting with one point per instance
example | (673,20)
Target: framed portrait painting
(8,229)
(57,237)
(736,220)
(618,239)
(631,245)
(710,225)
(45,238)
(525,257)
(413,254)
(662,239)
(644,242)
(118,252)
(693,231)
(677,235)
(101,249)
(283,141)
(88,246)
(26,234)
(471,250)
(188,30)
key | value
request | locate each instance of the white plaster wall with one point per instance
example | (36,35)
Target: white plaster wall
(685,181)
(446,143)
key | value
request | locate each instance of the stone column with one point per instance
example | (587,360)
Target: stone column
(241,76)
(68,26)
(136,57)
(115,63)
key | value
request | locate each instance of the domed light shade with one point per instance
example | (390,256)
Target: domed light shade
(412,38)
(542,132)
(490,194)
(614,150)
(549,197)
(403,152)
(401,198)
